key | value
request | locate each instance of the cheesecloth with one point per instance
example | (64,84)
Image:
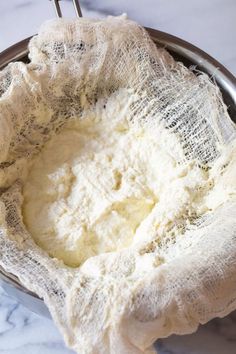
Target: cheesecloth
(105,306)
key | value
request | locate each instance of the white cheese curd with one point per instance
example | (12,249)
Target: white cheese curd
(102,184)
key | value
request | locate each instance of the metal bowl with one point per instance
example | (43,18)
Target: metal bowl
(181,51)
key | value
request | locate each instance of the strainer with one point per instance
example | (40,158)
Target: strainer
(180,50)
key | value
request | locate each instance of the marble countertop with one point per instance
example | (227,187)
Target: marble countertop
(208,24)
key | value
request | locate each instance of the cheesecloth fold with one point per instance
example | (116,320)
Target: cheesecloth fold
(106,305)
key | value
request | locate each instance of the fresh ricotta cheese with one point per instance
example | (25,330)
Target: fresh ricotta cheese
(103,183)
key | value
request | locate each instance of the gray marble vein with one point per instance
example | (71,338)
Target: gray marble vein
(208,24)
(23,332)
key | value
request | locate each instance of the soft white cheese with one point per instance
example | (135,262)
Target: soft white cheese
(103,183)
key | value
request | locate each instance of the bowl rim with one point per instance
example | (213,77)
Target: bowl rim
(203,60)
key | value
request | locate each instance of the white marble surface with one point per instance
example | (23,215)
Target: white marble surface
(208,24)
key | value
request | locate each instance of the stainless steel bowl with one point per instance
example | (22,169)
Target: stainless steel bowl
(181,51)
